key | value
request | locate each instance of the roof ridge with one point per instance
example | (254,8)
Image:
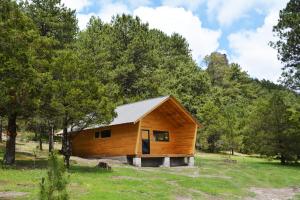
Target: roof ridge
(143,101)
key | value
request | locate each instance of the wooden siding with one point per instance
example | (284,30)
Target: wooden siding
(122,142)
(126,139)
(181,131)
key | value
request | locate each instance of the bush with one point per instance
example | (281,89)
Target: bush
(55,186)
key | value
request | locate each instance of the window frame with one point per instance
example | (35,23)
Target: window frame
(107,131)
(155,132)
(99,134)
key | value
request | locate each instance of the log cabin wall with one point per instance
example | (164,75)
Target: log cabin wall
(122,142)
(182,131)
(185,139)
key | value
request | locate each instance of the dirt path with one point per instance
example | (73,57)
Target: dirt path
(273,193)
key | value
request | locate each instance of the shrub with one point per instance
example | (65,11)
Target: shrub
(55,186)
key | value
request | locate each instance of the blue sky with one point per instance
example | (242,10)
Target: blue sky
(240,28)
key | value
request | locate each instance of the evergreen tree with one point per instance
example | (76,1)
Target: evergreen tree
(55,186)
(79,97)
(288,45)
(273,126)
(217,68)
(53,20)
(20,79)
(59,25)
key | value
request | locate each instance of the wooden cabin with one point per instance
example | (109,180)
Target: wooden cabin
(159,130)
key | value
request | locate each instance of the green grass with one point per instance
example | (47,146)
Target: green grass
(212,177)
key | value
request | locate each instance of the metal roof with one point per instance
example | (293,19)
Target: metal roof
(128,113)
(132,112)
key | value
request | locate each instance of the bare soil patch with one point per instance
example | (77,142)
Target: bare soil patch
(273,193)
(11,195)
(95,161)
(3,182)
(190,190)
(125,178)
(192,172)
(183,198)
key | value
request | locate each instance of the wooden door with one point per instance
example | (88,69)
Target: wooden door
(145,141)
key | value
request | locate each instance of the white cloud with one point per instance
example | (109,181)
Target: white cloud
(105,13)
(135,4)
(83,19)
(76,4)
(228,11)
(202,41)
(189,4)
(252,51)
(109,10)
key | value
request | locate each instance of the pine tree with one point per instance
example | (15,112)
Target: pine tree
(55,186)
(20,79)
(288,31)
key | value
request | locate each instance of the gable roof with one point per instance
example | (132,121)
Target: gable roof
(133,112)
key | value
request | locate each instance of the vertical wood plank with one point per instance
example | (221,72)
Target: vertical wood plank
(138,138)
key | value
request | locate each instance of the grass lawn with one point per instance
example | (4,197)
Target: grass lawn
(212,178)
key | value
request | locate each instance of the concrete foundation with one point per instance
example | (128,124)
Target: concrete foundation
(166,162)
(191,161)
(160,161)
(137,162)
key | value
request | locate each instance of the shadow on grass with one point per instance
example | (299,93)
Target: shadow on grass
(24,160)
(87,169)
(43,164)
(31,164)
(22,153)
(278,164)
(27,164)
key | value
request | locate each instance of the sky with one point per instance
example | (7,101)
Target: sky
(240,28)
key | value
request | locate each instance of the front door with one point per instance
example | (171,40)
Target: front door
(145,141)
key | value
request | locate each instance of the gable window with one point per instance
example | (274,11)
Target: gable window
(105,133)
(161,136)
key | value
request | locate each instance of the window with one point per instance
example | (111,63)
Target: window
(105,133)
(162,136)
(97,134)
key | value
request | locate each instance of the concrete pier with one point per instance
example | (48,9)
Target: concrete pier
(191,161)
(137,161)
(166,162)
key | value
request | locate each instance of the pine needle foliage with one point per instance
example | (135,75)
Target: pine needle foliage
(55,186)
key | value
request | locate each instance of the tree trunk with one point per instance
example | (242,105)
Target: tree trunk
(35,135)
(232,151)
(1,129)
(40,138)
(41,142)
(282,160)
(66,149)
(9,156)
(51,139)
